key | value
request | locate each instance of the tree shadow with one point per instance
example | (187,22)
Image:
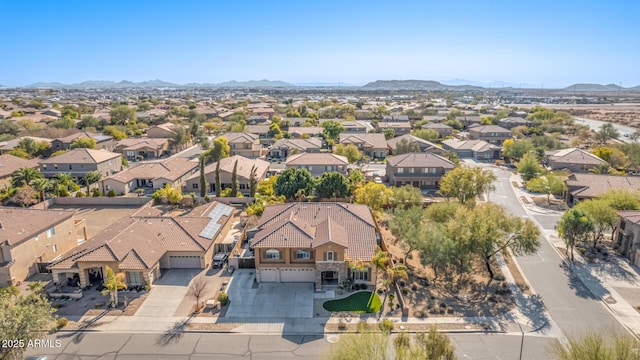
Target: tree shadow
(583,282)
(87,325)
(174,333)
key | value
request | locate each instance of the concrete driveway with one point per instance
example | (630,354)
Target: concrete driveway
(268,300)
(167,293)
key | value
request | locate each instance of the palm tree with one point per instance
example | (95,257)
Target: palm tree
(25,176)
(92,177)
(394,273)
(66,179)
(601,169)
(112,283)
(40,185)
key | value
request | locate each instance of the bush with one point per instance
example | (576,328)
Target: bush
(63,192)
(112,193)
(379,291)
(96,193)
(223,299)
(363,327)
(62,322)
(79,194)
(386,326)
(414,287)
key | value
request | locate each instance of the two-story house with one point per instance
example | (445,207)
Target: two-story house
(476,149)
(244,144)
(318,164)
(573,159)
(285,147)
(443,130)
(78,162)
(315,242)
(373,145)
(152,176)
(627,235)
(243,171)
(142,148)
(399,128)
(492,134)
(421,170)
(30,238)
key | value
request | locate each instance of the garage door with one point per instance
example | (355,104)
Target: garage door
(268,275)
(184,262)
(297,275)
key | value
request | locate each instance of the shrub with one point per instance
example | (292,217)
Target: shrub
(386,326)
(96,193)
(414,287)
(379,291)
(79,194)
(62,322)
(391,297)
(112,193)
(405,291)
(363,327)
(223,298)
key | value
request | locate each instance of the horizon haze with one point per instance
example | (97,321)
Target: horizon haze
(542,43)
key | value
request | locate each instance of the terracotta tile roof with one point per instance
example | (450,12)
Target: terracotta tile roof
(574,156)
(300,144)
(475,145)
(316,159)
(132,262)
(9,164)
(82,156)
(243,170)
(349,225)
(149,237)
(234,137)
(18,224)
(420,160)
(393,143)
(485,129)
(311,130)
(375,141)
(594,185)
(140,143)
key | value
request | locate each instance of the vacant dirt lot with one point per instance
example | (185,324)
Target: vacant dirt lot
(623,114)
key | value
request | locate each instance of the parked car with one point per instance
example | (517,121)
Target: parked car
(377,180)
(219,260)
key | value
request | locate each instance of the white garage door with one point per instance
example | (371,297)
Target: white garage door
(184,262)
(297,275)
(268,275)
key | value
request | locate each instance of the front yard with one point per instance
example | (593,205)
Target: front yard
(360,302)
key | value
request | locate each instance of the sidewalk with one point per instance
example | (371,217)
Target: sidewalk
(600,285)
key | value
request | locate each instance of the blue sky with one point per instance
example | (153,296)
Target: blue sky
(555,43)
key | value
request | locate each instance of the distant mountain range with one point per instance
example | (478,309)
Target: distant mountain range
(429,85)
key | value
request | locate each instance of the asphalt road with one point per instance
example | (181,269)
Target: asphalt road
(197,346)
(571,306)
(595,125)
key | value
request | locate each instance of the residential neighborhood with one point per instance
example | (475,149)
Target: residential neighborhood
(232,209)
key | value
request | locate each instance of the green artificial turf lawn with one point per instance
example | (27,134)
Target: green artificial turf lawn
(361,302)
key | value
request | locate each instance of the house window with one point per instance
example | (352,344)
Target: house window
(330,256)
(303,254)
(272,254)
(329,168)
(243,186)
(135,278)
(194,185)
(131,153)
(55,248)
(400,170)
(424,170)
(51,232)
(310,167)
(44,166)
(55,166)
(70,166)
(362,275)
(411,170)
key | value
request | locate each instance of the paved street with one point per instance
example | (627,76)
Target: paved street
(570,304)
(595,125)
(197,346)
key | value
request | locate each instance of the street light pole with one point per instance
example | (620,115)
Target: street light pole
(521,340)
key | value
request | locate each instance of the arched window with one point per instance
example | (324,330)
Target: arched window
(330,256)
(272,254)
(303,254)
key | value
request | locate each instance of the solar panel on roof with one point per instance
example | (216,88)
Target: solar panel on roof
(212,227)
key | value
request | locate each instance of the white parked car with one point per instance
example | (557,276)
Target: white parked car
(377,180)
